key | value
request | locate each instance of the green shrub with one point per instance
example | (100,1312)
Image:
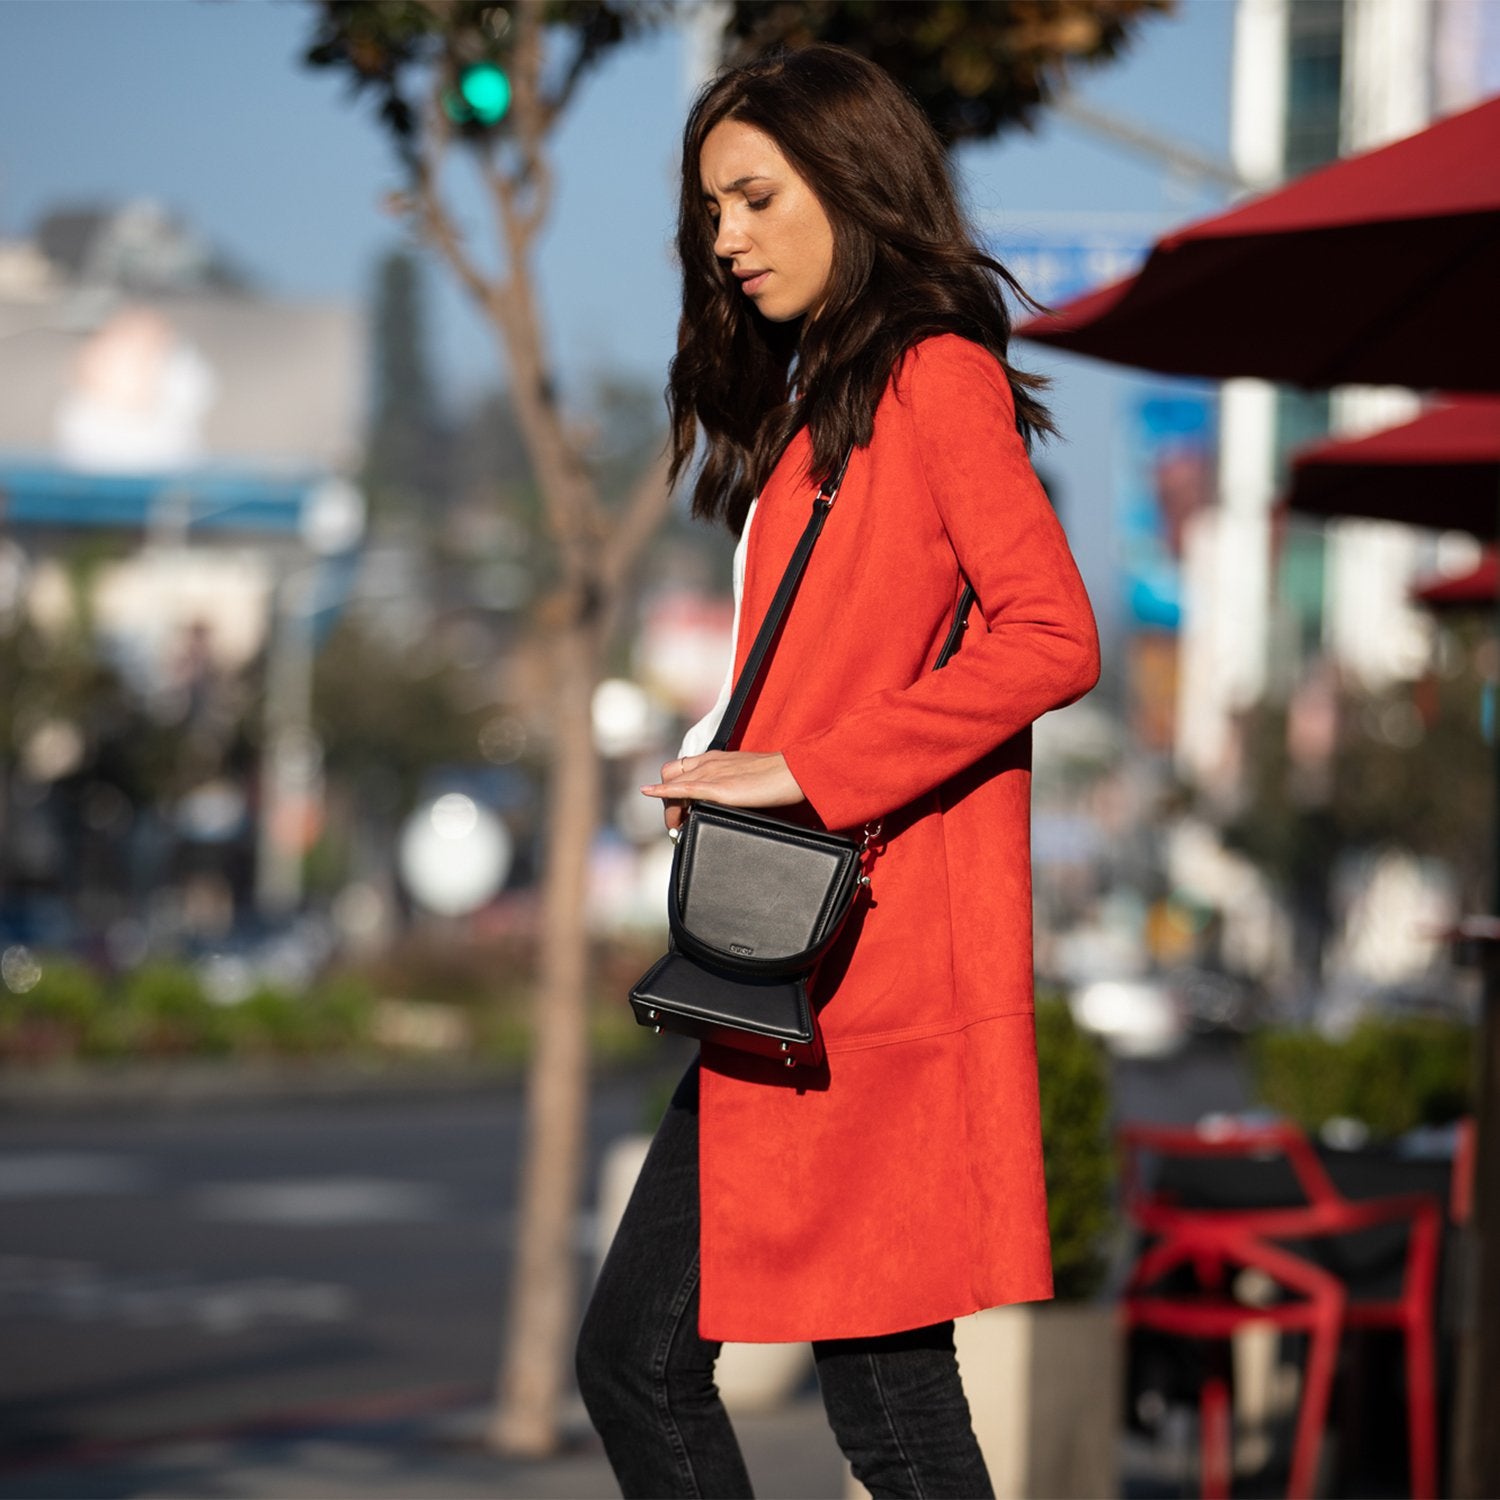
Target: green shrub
(1076,1150)
(334,1017)
(474,975)
(1298,1074)
(1390,1075)
(272,1022)
(503,1035)
(55,1016)
(345,1007)
(163,1010)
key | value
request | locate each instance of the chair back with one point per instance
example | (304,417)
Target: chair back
(1296,1174)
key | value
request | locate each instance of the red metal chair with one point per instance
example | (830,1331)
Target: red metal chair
(1293,1243)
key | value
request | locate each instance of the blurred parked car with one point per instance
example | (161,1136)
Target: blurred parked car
(1215,1003)
(283,956)
(1451,996)
(1135,1018)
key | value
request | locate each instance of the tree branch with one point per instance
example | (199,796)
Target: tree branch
(644,510)
(436,222)
(552,108)
(529,108)
(573,507)
(540,193)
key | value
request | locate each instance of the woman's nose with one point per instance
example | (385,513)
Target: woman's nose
(731,239)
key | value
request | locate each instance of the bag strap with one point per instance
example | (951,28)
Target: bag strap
(822,504)
(955,639)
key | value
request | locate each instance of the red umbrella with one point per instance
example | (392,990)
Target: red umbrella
(1381,269)
(1440,470)
(1469,590)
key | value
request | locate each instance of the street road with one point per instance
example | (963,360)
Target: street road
(167,1272)
(176,1272)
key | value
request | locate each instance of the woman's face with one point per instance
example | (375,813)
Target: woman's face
(770,228)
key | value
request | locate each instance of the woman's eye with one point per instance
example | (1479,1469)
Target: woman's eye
(758,203)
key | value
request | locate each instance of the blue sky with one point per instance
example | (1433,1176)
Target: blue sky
(203,105)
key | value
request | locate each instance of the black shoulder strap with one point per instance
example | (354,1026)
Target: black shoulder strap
(955,637)
(822,504)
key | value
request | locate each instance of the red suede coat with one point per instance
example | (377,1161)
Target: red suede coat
(902,1185)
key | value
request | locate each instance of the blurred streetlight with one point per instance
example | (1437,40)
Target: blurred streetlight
(454,855)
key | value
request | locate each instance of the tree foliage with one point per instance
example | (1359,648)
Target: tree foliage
(1409,769)
(975,66)
(386,49)
(419,716)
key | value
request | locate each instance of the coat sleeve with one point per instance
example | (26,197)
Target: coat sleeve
(1040,649)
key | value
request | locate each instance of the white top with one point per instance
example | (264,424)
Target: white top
(696,740)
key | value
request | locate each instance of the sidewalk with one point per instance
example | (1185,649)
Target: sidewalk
(438,1455)
(429,1456)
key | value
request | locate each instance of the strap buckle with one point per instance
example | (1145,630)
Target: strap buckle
(829,489)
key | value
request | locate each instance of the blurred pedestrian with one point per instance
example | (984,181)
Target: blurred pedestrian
(834,298)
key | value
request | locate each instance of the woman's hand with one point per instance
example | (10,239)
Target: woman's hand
(736,778)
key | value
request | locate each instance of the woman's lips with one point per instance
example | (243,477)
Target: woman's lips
(754,284)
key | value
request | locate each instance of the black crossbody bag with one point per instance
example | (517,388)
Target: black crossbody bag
(754,902)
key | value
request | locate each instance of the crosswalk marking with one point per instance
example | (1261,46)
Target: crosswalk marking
(82,1292)
(318,1202)
(70,1174)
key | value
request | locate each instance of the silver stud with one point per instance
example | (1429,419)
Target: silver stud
(651,1016)
(657,1030)
(791,1062)
(786,1046)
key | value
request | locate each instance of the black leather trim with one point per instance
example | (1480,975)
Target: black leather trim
(770,1017)
(955,636)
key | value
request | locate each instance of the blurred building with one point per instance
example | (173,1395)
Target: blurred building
(1312,81)
(176,462)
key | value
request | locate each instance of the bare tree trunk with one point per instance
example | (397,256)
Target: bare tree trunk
(544,1278)
(597,551)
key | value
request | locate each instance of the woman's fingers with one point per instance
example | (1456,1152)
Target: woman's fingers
(736,778)
(674,770)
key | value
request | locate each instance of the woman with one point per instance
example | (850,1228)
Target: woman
(832,296)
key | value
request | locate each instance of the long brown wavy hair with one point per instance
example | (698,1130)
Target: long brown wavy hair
(905,266)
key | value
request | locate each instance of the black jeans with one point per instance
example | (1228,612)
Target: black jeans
(895,1403)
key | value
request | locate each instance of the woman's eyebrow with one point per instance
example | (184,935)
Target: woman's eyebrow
(737,184)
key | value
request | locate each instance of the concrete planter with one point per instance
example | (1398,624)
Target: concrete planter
(750,1377)
(1043,1382)
(1044,1385)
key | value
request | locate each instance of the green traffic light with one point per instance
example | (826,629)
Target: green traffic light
(486,92)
